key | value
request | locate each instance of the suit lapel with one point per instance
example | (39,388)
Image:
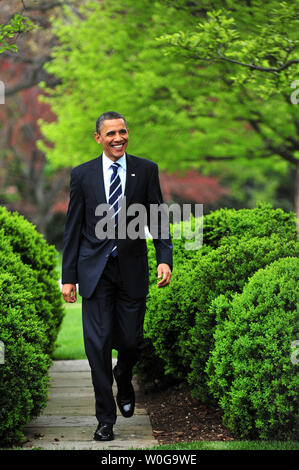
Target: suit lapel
(97,180)
(131,178)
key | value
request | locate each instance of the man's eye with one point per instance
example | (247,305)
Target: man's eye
(122,132)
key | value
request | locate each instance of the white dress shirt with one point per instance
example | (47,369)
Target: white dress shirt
(107,173)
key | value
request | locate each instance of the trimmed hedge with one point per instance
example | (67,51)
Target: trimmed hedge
(236,244)
(23,377)
(30,315)
(181,325)
(261,221)
(250,369)
(164,321)
(225,270)
(180,253)
(151,366)
(41,260)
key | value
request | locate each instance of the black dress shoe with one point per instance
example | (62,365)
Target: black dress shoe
(125,397)
(104,432)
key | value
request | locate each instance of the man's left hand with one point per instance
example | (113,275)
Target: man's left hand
(164,273)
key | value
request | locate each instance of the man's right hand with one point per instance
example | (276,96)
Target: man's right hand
(69,292)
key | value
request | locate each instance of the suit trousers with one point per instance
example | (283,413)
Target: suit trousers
(111,320)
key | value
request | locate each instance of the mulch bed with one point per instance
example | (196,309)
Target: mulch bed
(177,417)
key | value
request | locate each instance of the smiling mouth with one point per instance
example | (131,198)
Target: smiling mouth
(118,146)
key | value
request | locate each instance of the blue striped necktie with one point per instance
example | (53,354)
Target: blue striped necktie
(115,194)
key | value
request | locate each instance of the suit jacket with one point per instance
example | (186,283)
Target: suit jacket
(85,255)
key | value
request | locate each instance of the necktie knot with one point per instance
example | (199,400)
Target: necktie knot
(115,166)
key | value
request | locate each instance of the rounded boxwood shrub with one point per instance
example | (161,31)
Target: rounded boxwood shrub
(179,321)
(261,221)
(23,376)
(41,260)
(30,315)
(10,262)
(164,321)
(151,366)
(200,276)
(224,271)
(250,370)
(181,235)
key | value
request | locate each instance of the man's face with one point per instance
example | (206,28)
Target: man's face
(113,135)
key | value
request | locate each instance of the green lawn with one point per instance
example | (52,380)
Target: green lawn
(69,343)
(231,445)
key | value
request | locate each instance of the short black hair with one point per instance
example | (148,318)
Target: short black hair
(108,115)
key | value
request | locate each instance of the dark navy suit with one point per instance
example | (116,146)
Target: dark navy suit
(113,289)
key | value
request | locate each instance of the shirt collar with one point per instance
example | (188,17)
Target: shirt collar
(107,162)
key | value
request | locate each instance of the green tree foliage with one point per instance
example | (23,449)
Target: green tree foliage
(199,110)
(112,60)
(259,38)
(16,25)
(250,370)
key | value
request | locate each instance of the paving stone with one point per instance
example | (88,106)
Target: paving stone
(85,433)
(77,379)
(78,391)
(116,444)
(73,379)
(68,422)
(75,406)
(45,421)
(77,365)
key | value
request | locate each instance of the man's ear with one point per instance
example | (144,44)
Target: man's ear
(97,138)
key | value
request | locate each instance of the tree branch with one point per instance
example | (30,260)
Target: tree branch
(283,153)
(257,67)
(43,7)
(34,76)
(251,66)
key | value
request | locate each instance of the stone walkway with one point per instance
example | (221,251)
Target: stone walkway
(68,422)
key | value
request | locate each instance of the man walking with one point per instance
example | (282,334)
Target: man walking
(112,272)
